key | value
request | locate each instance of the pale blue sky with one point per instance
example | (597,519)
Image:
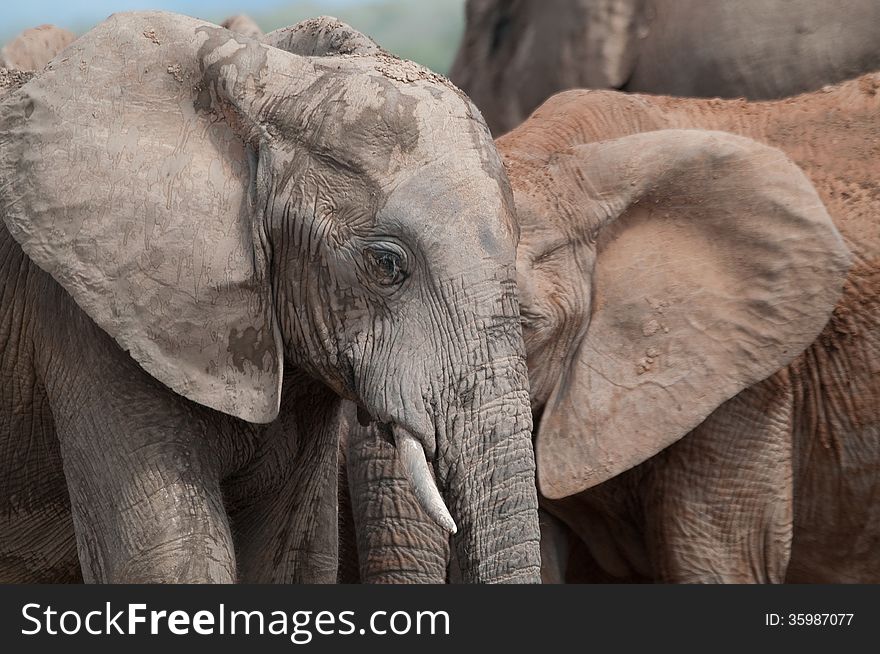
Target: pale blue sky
(78,14)
(427,31)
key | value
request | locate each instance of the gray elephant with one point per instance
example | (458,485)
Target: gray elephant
(208,242)
(702,326)
(35,47)
(517,53)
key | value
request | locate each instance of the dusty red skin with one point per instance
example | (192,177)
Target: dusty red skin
(779,483)
(703,509)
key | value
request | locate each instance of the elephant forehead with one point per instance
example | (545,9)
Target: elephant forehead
(453,172)
(447,200)
(356,108)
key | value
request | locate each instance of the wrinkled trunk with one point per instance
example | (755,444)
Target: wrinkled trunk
(490,487)
(396,540)
(487,477)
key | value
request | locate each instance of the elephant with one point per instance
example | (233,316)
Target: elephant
(700,296)
(35,47)
(211,243)
(517,53)
(243,24)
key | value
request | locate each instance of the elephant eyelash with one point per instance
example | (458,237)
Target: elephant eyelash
(386,263)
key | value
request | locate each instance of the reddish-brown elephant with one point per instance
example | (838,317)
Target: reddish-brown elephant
(702,324)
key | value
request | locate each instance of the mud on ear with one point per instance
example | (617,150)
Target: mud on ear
(714,264)
(124,172)
(321,37)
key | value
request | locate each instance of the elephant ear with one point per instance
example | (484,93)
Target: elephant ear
(125,172)
(321,37)
(710,263)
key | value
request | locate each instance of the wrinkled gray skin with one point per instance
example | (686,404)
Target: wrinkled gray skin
(33,48)
(236,238)
(700,319)
(517,53)
(385,537)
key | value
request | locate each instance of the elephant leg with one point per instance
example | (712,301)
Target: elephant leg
(284,505)
(290,535)
(37,541)
(146,501)
(718,503)
(141,464)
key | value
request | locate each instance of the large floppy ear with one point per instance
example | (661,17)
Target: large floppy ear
(128,171)
(709,263)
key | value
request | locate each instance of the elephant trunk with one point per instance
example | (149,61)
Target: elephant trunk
(490,484)
(474,422)
(396,540)
(486,469)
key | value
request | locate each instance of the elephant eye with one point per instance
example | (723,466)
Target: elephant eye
(386,263)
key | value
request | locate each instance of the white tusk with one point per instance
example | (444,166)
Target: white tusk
(415,465)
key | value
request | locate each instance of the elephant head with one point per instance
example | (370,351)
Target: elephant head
(660,274)
(224,208)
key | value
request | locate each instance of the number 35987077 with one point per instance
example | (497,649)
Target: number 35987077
(808,619)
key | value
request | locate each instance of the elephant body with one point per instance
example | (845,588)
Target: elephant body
(35,47)
(517,53)
(787,471)
(656,460)
(192,486)
(208,243)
